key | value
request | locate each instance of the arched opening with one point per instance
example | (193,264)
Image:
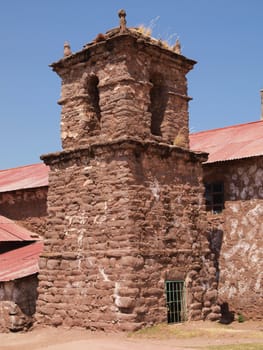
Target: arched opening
(158,102)
(94,95)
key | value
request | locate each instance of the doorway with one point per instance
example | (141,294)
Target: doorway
(175,301)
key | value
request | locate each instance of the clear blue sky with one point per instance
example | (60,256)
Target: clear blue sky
(224,36)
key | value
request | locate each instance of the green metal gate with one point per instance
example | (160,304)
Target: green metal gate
(175,301)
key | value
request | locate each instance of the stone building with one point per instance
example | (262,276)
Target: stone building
(126,223)
(19,256)
(233,176)
(130,239)
(23,202)
(23,196)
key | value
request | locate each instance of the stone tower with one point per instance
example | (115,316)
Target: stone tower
(126,222)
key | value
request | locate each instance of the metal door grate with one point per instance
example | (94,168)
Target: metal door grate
(175,301)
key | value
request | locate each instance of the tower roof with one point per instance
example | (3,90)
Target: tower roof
(140,35)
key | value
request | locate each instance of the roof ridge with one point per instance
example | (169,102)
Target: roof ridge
(22,166)
(226,127)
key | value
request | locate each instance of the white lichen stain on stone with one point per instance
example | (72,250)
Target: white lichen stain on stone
(99,219)
(240,233)
(117,298)
(69,219)
(234,208)
(90,261)
(155,189)
(104,275)
(79,263)
(232,291)
(244,221)
(233,225)
(80,238)
(87,182)
(258,285)
(241,248)
(69,134)
(254,214)
(88,168)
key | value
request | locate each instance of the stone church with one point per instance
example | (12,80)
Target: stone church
(127,239)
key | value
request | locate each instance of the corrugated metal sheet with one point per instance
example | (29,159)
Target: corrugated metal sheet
(233,142)
(20,262)
(10,231)
(30,176)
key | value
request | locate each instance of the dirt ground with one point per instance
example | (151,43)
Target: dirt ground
(187,336)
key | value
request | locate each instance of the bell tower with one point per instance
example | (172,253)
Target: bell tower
(124,85)
(125,201)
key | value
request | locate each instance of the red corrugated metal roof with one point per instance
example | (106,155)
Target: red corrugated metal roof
(20,262)
(233,142)
(10,231)
(30,176)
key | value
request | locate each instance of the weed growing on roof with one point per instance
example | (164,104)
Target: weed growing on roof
(144,30)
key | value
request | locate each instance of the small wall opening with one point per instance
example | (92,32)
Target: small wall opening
(158,102)
(214,195)
(94,95)
(175,301)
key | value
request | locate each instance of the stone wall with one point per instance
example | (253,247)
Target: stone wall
(125,199)
(119,88)
(27,207)
(123,218)
(238,234)
(18,303)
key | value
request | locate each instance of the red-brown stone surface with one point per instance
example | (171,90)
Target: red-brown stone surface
(125,199)
(122,220)
(237,235)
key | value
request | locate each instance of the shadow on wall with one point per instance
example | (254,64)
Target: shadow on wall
(159,98)
(216,239)
(227,315)
(23,292)
(18,303)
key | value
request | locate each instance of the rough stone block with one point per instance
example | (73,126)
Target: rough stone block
(125,302)
(12,318)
